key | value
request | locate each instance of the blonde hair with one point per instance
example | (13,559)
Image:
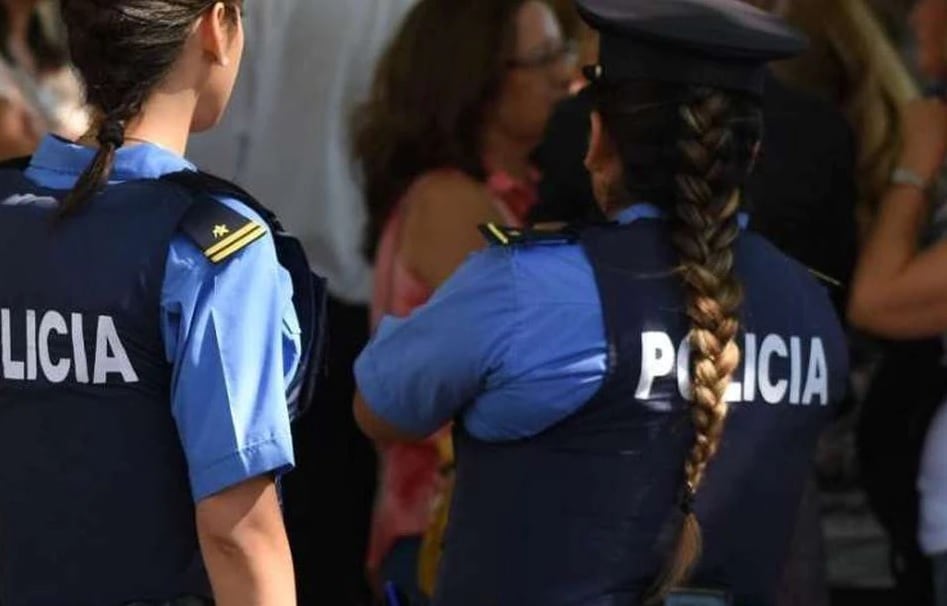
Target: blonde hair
(852,64)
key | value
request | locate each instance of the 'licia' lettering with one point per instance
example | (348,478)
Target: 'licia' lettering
(26,353)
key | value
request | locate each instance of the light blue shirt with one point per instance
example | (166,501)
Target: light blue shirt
(513,327)
(230,332)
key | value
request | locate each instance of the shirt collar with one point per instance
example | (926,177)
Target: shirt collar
(139,161)
(646,210)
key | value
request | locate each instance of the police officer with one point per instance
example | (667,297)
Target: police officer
(147,336)
(618,389)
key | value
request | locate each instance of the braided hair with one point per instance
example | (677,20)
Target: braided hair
(696,177)
(123,49)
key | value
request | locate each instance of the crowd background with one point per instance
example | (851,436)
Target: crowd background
(356,120)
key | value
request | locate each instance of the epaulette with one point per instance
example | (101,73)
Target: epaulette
(498,235)
(218,230)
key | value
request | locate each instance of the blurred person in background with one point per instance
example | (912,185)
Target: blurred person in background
(900,294)
(459,102)
(285,138)
(34,56)
(20,126)
(581,36)
(851,65)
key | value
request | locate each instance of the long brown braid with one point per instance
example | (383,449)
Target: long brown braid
(712,168)
(698,180)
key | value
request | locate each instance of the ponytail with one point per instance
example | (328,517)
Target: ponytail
(123,49)
(111,138)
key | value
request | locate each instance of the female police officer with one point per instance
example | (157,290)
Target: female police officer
(595,374)
(143,368)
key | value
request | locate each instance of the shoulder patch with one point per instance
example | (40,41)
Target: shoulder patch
(558,233)
(218,230)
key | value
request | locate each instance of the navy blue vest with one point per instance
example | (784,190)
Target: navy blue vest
(95,507)
(583,514)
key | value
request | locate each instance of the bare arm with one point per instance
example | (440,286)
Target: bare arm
(244,545)
(440,229)
(19,134)
(900,291)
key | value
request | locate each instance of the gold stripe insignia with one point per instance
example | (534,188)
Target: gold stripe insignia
(547,235)
(238,241)
(226,242)
(499,234)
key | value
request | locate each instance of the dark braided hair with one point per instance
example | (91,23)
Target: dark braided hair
(123,49)
(697,177)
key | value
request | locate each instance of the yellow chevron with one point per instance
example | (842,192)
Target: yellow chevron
(499,234)
(254,234)
(226,242)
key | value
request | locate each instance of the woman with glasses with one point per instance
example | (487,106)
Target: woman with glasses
(459,102)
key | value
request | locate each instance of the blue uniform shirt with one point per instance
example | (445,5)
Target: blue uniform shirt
(512,327)
(230,332)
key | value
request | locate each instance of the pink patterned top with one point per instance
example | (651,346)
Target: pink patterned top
(410,473)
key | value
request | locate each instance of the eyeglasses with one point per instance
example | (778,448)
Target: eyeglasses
(546,57)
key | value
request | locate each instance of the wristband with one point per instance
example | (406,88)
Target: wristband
(907,177)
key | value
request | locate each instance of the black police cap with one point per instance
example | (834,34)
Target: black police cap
(720,43)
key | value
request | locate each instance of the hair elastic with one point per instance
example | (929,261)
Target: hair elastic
(112,132)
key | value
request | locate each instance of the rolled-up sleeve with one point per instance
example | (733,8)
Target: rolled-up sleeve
(232,336)
(421,371)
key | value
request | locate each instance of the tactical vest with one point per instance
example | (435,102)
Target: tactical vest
(584,513)
(96,507)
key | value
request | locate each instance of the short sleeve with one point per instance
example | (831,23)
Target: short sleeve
(232,336)
(419,372)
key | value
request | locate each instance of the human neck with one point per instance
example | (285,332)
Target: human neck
(165,120)
(505,153)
